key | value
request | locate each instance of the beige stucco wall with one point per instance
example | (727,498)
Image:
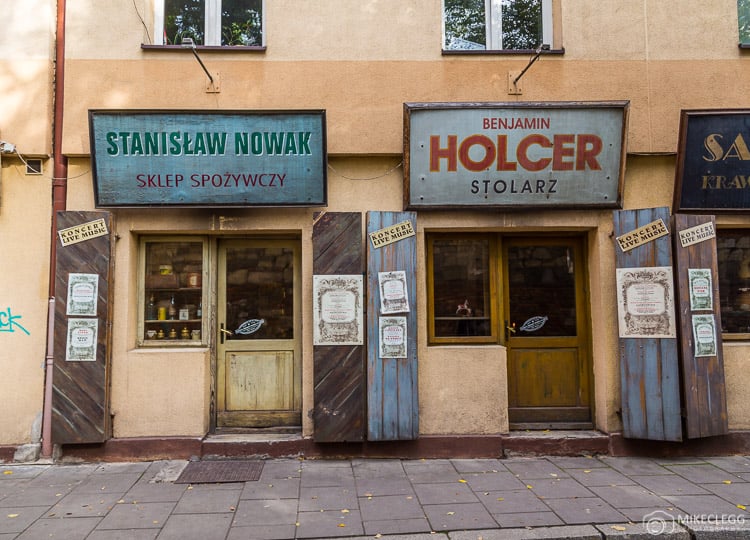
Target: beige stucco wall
(24,259)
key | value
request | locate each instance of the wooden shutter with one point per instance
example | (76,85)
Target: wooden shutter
(649,367)
(338,370)
(392,395)
(80,385)
(703,386)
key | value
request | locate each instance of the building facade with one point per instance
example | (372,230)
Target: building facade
(323,223)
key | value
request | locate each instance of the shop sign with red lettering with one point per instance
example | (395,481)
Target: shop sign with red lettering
(208,159)
(466,155)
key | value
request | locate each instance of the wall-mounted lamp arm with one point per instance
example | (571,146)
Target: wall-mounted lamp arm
(543,47)
(188,43)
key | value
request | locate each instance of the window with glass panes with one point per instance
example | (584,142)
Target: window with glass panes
(496,24)
(733,252)
(210,22)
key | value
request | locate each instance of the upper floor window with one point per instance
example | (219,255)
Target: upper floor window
(496,24)
(743,16)
(209,22)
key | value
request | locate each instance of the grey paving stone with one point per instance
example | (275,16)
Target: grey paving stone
(187,526)
(506,502)
(425,472)
(208,499)
(107,483)
(15,520)
(669,484)
(576,462)
(702,504)
(63,475)
(390,507)
(35,496)
(444,493)
(585,510)
(266,512)
(578,532)
(128,534)
(322,477)
(84,505)
(283,468)
(634,465)
(679,460)
(377,468)
(325,464)
(529,469)
(477,465)
(67,529)
(603,476)
(628,496)
(16,472)
(451,517)
(327,498)
(735,493)
(122,468)
(528,519)
(262,532)
(558,488)
(137,516)
(735,464)
(280,488)
(397,526)
(329,524)
(375,487)
(703,474)
(639,531)
(498,481)
(640,515)
(157,492)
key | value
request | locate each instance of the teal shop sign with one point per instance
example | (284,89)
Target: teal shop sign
(208,159)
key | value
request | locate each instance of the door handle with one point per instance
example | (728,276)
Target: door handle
(509,329)
(224,332)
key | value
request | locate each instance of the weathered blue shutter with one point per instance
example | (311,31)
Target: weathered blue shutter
(649,367)
(392,396)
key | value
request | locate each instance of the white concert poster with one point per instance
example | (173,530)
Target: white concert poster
(392,332)
(82,340)
(645,302)
(393,295)
(83,292)
(338,310)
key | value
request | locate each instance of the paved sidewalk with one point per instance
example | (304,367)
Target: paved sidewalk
(517,498)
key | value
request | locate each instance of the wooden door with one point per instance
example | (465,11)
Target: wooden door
(259,354)
(546,330)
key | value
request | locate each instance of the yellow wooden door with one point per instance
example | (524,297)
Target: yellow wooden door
(258,353)
(546,329)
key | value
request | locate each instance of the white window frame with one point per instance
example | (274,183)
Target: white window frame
(494,25)
(212,24)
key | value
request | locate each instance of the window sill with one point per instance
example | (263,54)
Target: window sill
(504,52)
(744,45)
(206,48)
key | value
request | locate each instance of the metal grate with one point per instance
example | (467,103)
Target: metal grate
(219,472)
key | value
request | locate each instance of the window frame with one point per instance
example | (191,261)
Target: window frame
(141,341)
(494,289)
(720,231)
(493,28)
(212,27)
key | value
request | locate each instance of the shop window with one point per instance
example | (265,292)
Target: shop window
(172,299)
(210,22)
(733,248)
(743,19)
(496,24)
(461,283)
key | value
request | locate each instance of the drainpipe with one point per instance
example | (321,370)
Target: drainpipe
(59,196)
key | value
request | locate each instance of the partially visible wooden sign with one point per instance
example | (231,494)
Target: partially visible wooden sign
(83,285)
(703,385)
(649,367)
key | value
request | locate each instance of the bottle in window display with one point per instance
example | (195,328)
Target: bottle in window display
(151,309)
(172,309)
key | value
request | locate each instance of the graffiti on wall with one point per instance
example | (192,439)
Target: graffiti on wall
(9,322)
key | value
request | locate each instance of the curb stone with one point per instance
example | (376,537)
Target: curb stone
(638,531)
(571,532)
